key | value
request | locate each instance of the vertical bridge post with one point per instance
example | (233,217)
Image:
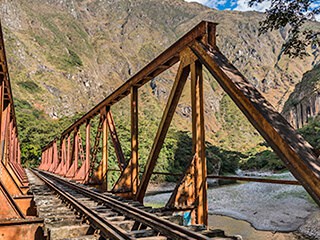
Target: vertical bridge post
(134,141)
(127,184)
(87,161)
(103,168)
(191,191)
(68,154)
(105,155)
(198,144)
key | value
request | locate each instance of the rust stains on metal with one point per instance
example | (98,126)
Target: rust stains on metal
(297,154)
(194,50)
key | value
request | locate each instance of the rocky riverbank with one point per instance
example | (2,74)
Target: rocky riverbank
(267,207)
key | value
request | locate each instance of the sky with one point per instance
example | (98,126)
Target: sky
(240,5)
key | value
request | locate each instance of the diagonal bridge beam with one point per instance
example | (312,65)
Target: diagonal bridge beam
(297,154)
(181,78)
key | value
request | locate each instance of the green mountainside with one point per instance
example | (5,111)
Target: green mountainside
(65,56)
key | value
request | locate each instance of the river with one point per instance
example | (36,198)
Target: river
(258,210)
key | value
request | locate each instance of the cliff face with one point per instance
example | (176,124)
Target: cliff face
(67,55)
(304,102)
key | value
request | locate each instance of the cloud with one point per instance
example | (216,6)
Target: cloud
(233,3)
(242,5)
(199,1)
(216,4)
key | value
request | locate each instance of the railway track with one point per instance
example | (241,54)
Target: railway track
(106,216)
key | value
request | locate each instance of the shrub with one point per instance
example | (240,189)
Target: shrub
(74,59)
(30,86)
(265,160)
(311,132)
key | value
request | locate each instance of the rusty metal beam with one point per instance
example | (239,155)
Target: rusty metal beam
(127,184)
(9,208)
(21,229)
(83,173)
(191,190)
(198,144)
(4,126)
(73,155)
(168,58)
(6,78)
(182,75)
(63,153)
(297,154)
(183,195)
(104,155)
(88,147)
(55,160)
(134,141)
(10,180)
(96,145)
(61,157)
(103,168)
(115,140)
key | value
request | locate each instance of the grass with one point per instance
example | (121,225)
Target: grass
(74,60)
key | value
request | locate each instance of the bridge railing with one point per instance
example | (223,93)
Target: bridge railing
(9,142)
(194,50)
(17,210)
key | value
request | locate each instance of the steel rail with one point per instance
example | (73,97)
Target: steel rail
(106,228)
(171,230)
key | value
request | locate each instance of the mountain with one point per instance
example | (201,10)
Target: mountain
(65,56)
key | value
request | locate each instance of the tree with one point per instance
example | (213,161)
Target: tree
(293,14)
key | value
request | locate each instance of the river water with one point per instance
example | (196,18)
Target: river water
(234,227)
(256,210)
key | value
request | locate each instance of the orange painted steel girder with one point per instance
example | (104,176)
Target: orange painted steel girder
(193,50)
(17,214)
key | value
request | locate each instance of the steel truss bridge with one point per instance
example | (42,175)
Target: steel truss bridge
(68,157)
